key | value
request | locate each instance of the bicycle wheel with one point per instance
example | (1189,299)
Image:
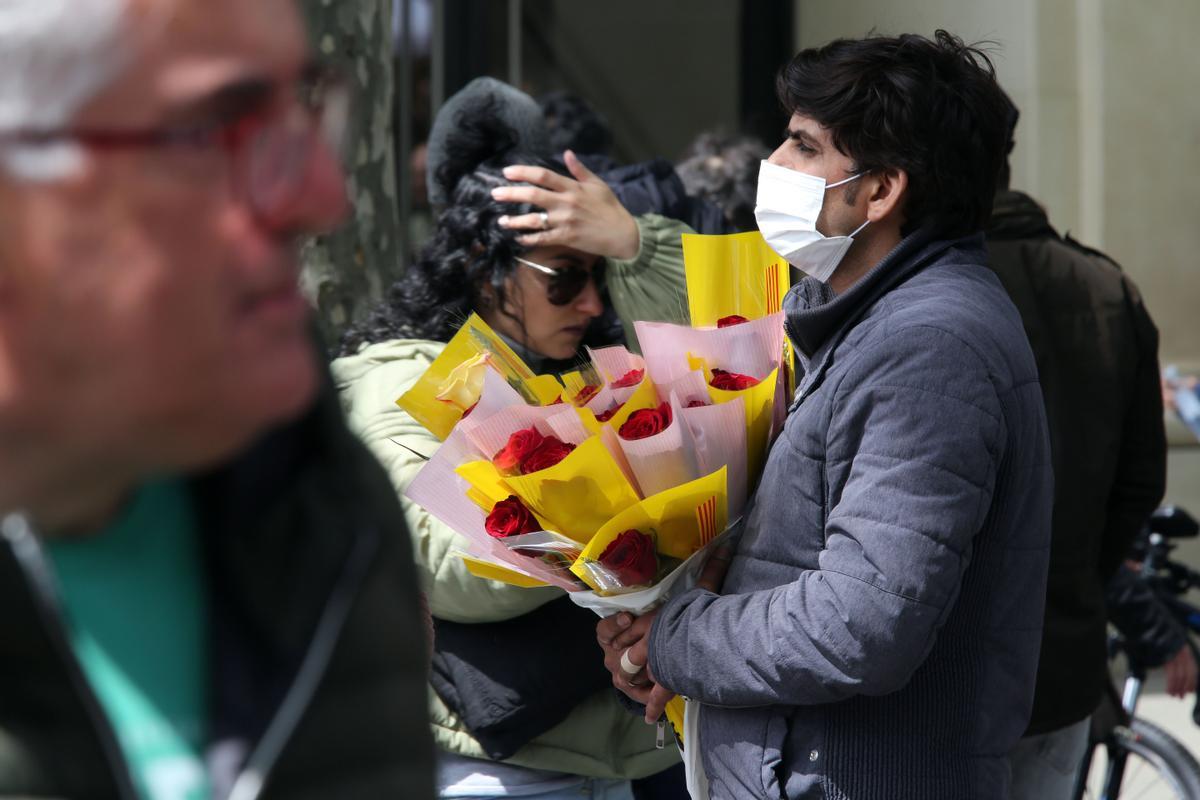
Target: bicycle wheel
(1157,767)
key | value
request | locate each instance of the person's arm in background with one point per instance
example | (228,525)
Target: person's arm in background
(652,286)
(1141,476)
(654,187)
(1150,632)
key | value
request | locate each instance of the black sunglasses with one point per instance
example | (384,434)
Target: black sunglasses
(565,284)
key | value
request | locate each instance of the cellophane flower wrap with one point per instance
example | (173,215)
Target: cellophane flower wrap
(453,500)
(569,478)
(609,387)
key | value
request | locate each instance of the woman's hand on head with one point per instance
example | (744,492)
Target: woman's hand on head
(582,212)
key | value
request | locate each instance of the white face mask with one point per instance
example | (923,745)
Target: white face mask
(789,203)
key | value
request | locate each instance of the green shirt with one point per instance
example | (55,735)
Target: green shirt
(135,605)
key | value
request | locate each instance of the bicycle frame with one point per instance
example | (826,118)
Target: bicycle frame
(1169,580)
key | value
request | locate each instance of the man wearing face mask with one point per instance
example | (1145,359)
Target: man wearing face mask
(877,632)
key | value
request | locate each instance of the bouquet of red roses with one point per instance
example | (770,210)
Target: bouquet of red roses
(614,480)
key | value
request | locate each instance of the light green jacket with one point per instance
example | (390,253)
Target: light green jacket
(599,738)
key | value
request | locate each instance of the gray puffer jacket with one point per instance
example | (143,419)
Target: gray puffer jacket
(877,636)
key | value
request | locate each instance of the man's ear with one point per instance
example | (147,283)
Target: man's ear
(887,198)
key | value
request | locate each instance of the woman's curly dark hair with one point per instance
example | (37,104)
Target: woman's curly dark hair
(468,251)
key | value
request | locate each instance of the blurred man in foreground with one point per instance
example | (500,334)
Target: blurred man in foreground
(206,581)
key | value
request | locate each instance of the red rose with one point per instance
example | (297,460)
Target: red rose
(731,381)
(511,518)
(519,447)
(631,558)
(732,319)
(697,404)
(631,378)
(549,452)
(646,422)
(607,415)
(585,394)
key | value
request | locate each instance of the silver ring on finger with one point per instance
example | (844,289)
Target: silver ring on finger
(545,218)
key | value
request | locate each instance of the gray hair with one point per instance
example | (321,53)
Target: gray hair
(55,55)
(723,169)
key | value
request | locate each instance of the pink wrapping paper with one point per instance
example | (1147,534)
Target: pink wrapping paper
(753,348)
(490,435)
(443,494)
(665,460)
(612,363)
(718,434)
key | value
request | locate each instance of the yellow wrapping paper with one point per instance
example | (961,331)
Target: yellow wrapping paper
(674,712)
(576,381)
(682,519)
(733,274)
(494,572)
(645,396)
(760,405)
(575,497)
(760,408)
(454,380)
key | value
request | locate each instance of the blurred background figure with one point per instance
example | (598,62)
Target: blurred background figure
(574,125)
(723,169)
(207,583)
(1181,396)
(1097,356)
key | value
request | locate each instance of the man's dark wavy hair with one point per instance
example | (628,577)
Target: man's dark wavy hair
(930,107)
(468,249)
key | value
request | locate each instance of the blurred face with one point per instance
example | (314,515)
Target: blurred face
(808,148)
(150,319)
(529,316)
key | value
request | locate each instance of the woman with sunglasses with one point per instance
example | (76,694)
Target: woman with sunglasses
(522,706)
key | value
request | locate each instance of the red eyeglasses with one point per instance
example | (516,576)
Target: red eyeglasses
(270,148)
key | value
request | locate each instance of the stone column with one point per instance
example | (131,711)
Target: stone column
(347,271)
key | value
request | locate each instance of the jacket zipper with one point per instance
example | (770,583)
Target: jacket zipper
(257,770)
(30,556)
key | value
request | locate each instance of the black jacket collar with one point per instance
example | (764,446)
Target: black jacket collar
(1016,215)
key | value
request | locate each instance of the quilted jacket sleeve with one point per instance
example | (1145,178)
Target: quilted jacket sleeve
(916,433)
